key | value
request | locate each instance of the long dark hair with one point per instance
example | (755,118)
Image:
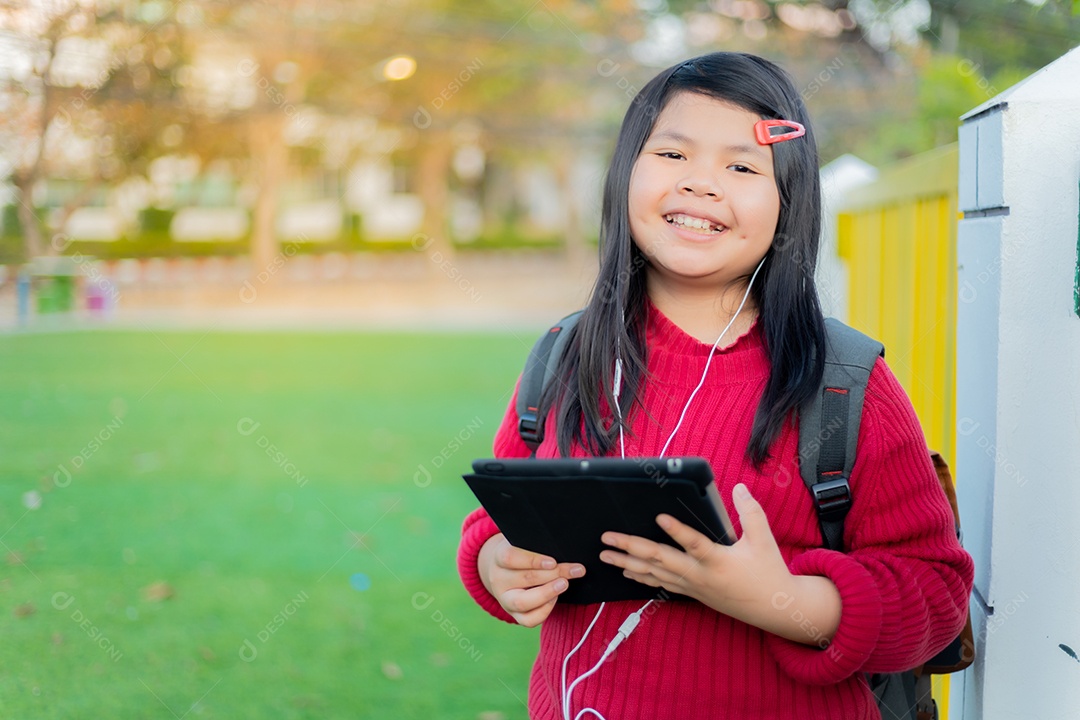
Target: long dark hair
(784,292)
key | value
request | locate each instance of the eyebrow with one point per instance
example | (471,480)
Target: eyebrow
(737,147)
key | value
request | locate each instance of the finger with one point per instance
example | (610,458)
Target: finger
(644,579)
(671,585)
(636,569)
(696,544)
(571,570)
(533,578)
(752,517)
(534,618)
(527,600)
(632,544)
(619,560)
(509,579)
(639,554)
(515,558)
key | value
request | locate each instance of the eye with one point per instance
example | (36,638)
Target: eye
(741,169)
(670,155)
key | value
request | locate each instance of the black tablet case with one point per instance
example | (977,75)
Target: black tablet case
(561,507)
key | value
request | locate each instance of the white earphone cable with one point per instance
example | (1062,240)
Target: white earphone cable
(566,660)
(708,362)
(634,618)
(628,626)
(617,384)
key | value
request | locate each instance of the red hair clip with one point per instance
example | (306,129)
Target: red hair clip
(765,136)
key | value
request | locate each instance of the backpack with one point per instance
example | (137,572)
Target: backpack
(826,458)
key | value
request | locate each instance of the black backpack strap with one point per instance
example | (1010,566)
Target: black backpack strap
(539,369)
(896,694)
(829,426)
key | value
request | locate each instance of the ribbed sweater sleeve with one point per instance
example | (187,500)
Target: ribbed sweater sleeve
(478,527)
(904,579)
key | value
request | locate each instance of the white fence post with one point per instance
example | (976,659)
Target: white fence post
(1018,396)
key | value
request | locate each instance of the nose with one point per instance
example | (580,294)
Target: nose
(701,184)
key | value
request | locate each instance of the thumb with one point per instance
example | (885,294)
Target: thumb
(751,516)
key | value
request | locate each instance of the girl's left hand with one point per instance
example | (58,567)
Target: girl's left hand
(742,580)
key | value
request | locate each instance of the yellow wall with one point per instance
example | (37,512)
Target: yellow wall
(898,237)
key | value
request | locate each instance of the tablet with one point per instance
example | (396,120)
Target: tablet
(561,507)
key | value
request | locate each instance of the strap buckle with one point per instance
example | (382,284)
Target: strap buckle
(832,499)
(528,427)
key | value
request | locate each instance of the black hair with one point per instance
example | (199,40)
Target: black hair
(613,321)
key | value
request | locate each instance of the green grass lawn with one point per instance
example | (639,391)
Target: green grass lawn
(276,484)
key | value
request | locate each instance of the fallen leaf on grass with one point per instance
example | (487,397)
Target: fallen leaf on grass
(14,558)
(146,462)
(25,610)
(158,591)
(308,701)
(491,715)
(207,654)
(392,671)
(57,639)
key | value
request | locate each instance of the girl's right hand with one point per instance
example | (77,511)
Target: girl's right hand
(525,583)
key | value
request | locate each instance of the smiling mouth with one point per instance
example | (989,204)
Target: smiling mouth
(692,223)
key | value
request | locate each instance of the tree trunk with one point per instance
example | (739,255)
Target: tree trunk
(434,190)
(271,158)
(577,252)
(31,228)
(26,179)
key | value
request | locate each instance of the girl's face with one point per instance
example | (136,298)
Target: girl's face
(703,199)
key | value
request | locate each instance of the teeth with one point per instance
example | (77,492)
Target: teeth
(691,222)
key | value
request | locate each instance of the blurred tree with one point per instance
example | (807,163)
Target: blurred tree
(999,35)
(245,88)
(941,58)
(274,85)
(87,89)
(968,53)
(485,77)
(434,72)
(888,78)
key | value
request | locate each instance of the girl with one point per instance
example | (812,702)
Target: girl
(705,305)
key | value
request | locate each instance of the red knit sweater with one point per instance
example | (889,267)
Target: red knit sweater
(904,579)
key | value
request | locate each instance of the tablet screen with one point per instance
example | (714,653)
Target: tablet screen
(561,507)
